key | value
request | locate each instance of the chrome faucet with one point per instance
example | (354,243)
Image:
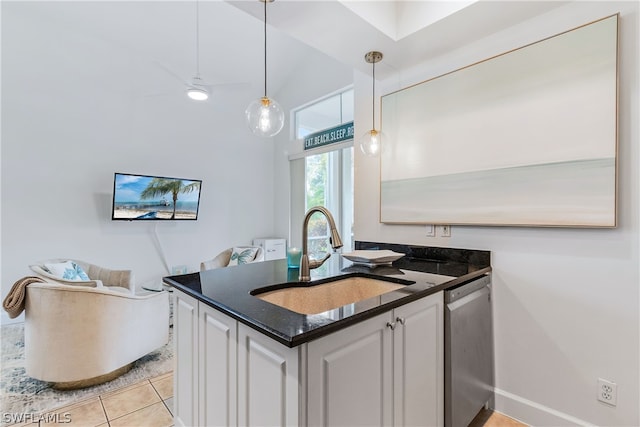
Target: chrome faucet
(334,239)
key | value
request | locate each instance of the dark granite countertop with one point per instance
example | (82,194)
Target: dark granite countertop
(423,270)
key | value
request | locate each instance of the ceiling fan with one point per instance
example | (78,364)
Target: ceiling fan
(197,88)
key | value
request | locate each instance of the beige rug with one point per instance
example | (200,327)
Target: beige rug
(21,394)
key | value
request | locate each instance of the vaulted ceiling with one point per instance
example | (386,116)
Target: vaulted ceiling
(159,37)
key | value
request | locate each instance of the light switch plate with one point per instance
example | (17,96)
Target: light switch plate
(431,230)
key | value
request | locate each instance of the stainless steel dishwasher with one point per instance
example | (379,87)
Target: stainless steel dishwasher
(468,344)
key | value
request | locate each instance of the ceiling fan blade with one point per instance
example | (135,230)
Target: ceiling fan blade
(171,73)
(202,82)
(229,86)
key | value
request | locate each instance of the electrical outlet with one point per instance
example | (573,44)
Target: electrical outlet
(607,392)
(431,230)
(445,231)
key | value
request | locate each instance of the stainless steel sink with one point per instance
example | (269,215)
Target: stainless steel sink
(327,296)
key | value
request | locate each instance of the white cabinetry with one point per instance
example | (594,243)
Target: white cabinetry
(228,374)
(205,372)
(185,378)
(273,248)
(418,354)
(350,376)
(217,366)
(384,371)
(268,389)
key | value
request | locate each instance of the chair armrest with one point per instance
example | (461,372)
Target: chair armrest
(221,260)
(121,278)
(46,275)
(102,290)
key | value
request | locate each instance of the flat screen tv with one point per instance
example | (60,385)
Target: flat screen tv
(142,197)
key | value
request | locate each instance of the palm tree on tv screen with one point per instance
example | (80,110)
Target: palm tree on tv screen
(161,186)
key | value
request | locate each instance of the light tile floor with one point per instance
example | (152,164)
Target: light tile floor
(150,402)
(494,419)
(147,403)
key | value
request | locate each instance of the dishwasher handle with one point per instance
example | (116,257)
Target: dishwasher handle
(460,291)
(478,293)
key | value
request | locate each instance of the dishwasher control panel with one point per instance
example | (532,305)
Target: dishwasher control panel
(467,288)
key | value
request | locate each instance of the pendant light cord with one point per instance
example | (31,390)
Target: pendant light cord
(265,48)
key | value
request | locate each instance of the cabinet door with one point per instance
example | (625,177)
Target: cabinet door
(350,376)
(268,387)
(185,376)
(217,391)
(419,363)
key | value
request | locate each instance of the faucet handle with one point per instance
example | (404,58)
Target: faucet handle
(315,263)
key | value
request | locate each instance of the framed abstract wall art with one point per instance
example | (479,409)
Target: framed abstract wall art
(525,138)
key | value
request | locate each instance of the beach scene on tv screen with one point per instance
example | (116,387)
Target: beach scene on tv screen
(146,197)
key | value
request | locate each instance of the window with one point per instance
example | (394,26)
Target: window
(329,183)
(324,114)
(328,175)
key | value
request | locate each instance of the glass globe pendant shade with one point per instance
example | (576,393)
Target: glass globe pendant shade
(265,117)
(371,142)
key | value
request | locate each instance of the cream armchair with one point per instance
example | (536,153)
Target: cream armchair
(77,335)
(224,257)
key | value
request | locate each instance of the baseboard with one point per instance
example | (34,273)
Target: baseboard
(533,413)
(6,320)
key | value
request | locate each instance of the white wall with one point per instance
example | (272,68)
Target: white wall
(73,114)
(567,301)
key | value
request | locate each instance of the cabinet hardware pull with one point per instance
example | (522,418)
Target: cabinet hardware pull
(400,320)
(391,325)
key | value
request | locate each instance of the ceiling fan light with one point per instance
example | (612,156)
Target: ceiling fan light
(197,94)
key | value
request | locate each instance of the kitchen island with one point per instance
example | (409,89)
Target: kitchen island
(379,361)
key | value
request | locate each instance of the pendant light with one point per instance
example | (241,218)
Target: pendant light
(264,115)
(371,142)
(197,90)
